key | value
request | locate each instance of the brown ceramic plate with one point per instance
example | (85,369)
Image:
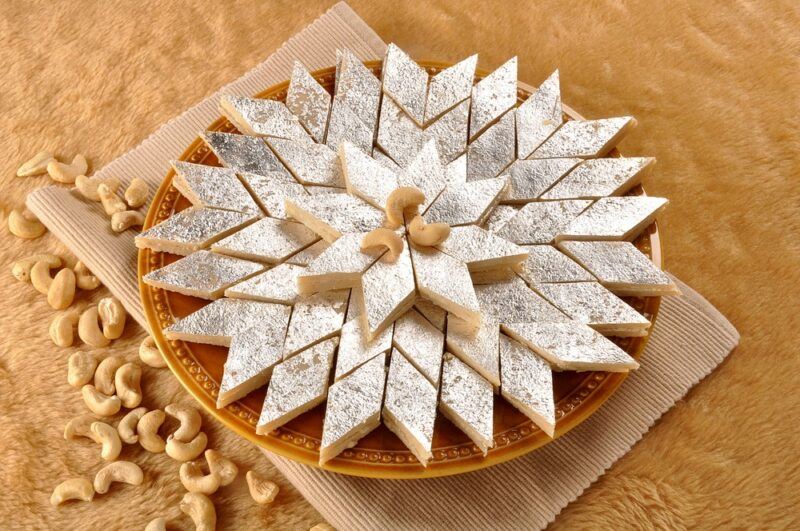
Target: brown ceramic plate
(380,454)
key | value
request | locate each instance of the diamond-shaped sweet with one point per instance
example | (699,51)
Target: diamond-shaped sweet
(492,96)
(270,190)
(355,350)
(398,135)
(426,172)
(539,116)
(529,179)
(358,88)
(600,177)
(278,284)
(478,348)
(513,301)
(309,101)
(339,266)
(365,177)
(613,218)
(243,153)
(268,240)
(480,250)
(450,131)
(467,400)
(261,117)
(545,263)
(585,138)
(314,319)
(405,82)
(450,87)
(421,342)
(490,153)
(527,383)
(345,125)
(387,291)
(332,215)
(212,187)
(445,281)
(309,163)
(466,204)
(541,222)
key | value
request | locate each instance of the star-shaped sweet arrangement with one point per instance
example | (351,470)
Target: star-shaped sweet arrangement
(409,245)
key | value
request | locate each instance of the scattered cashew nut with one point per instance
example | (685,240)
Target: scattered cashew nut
(89,328)
(36,165)
(147,430)
(189,418)
(200,509)
(22,268)
(80,369)
(72,489)
(122,221)
(137,193)
(186,451)
(112,314)
(62,329)
(104,375)
(127,426)
(403,200)
(149,353)
(262,490)
(99,403)
(40,276)
(62,172)
(383,237)
(222,466)
(87,186)
(61,292)
(322,526)
(194,480)
(106,435)
(79,427)
(25,225)
(427,235)
(110,200)
(157,524)
(84,278)
(120,472)
(128,384)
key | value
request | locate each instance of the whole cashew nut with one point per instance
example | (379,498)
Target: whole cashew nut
(322,526)
(106,435)
(72,489)
(62,329)
(157,524)
(122,221)
(87,186)
(79,427)
(127,426)
(383,237)
(120,472)
(61,292)
(104,375)
(147,430)
(403,200)
(200,509)
(40,276)
(149,353)
(67,173)
(36,165)
(89,328)
(186,451)
(137,192)
(112,314)
(110,200)
(22,268)
(262,490)
(80,368)
(127,382)
(222,466)
(194,480)
(427,235)
(189,418)
(99,403)
(25,225)
(84,278)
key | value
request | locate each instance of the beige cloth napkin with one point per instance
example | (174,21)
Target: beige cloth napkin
(689,340)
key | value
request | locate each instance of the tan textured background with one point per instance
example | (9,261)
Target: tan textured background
(715,86)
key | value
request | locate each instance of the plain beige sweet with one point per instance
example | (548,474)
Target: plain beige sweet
(107,436)
(147,430)
(72,489)
(80,368)
(262,490)
(117,472)
(201,510)
(23,224)
(100,403)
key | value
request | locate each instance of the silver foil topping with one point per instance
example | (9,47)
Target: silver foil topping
(529,179)
(426,172)
(467,400)
(572,346)
(278,284)
(410,407)
(545,263)
(450,131)
(345,125)
(614,218)
(591,303)
(309,163)
(331,215)
(492,96)
(490,153)
(387,290)
(358,88)
(527,383)
(354,408)
(600,177)
(585,138)
(499,216)
(541,222)
(243,153)
(339,266)
(192,229)
(202,274)
(314,319)
(268,240)
(466,204)
(297,385)
(480,249)
(406,82)
(620,267)
(218,322)
(213,187)
(309,101)
(309,254)
(386,160)
(355,350)
(270,190)
(421,342)
(251,357)
(365,177)
(398,135)
(450,87)
(445,281)
(477,348)
(431,312)
(539,116)
(261,117)
(456,171)
(513,301)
